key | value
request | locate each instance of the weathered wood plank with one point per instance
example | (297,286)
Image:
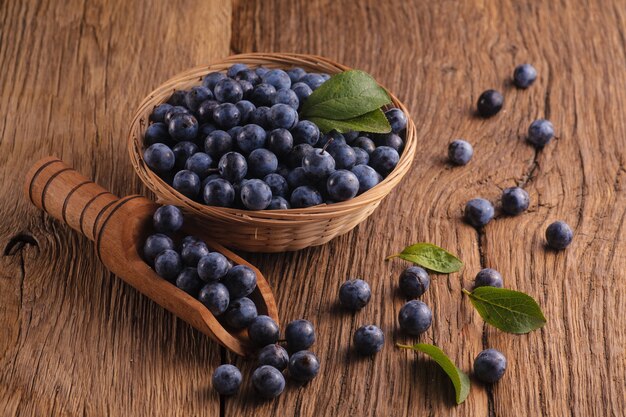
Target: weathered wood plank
(76,341)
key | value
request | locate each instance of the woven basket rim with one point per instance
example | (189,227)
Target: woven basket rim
(166,193)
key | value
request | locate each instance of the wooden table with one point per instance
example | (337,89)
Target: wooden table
(76,341)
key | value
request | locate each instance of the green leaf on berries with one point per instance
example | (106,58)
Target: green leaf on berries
(431,257)
(459,379)
(373,122)
(508,310)
(345,96)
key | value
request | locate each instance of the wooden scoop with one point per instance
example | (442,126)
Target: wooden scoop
(118,227)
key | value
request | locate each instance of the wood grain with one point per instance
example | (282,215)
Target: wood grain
(80,343)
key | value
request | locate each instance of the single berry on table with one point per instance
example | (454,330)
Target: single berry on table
(354,294)
(255,194)
(228,90)
(489,103)
(478,212)
(240,313)
(305,196)
(168,264)
(514,200)
(262,162)
(187,183)
(263,331)
(300,335)
(489,366)
(397,120)
(189,281)
(559,235)
(384,159)
(240,281)
(368,340)
(524,75)
(342,185)
(414,281)
(159,158)
(303,366)
(215,297)
(367,176)
(268,381)
(213,267)
(218,192)
(488,277)
(156,244)
(460,152)
(217,143)
(274,355)
(200,163)
(167,219)
(415,317)
(226,379)
(540,133)
(233,167)
(193,251)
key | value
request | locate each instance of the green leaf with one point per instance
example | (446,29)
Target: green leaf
(430,257)
(373,122)
(345,96)
(508,310)
(459,379)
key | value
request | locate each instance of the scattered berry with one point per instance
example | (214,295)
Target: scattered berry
(514,200)
(415,317)
(414,281)
(559,235)
(226,379)
(303,366)
(488,277)
(540,133)
(478,212)
(263,331)
(268,381)
(354,294)
(300,335)
(460,152)
(489,103)
(368,340)
(524,75)
(489,366)
(274,355)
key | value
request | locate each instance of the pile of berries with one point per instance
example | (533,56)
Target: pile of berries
(515,200)
(237,141)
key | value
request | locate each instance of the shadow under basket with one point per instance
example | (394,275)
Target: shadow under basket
(266,230)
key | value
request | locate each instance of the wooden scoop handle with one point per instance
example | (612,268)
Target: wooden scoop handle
(65,194)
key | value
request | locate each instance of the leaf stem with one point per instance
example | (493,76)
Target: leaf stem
(466,292)
(392,256)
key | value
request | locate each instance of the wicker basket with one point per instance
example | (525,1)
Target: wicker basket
(267,230)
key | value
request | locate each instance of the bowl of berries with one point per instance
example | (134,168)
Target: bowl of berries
(272,152)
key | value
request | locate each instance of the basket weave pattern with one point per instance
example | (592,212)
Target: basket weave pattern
(267,230)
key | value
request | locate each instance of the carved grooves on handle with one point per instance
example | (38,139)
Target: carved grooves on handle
(68,196)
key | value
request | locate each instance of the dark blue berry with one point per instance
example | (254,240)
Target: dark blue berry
(235,69)
(344,156)
(156,244)
(248,75)
(298,178)
(342,185)
(392,140)
(251,137)
(460,152)
(368,340)
(189,281)
(305,132)
(233,167)
(240,281)
(286,96)
(168,264)
(263,331)
(219,192)
(211,79)
(278,78)
(200,163)
(332,137)
(158,113)
(489,366)
(206,109)
(305,196)
(312,80)
(196,96)
(318,164)
(365,143)
(263,95)
(183,151)
(488,277)
(415,317)
(228,90)
(260,117)
(397,120)
(268,382)
(362,157)
(295,74)
(213,267)
(524,75)
(279,203)
(282,115)
(247,87)
(245,109)
(261,70)
(489,103)
(217,143)
(205,129)
(414,281)
(302,91)
(177,98)
(226,115)
(303,366)
(183,127)
(193,252)
(167,219)
(187,240)
(215,297)
(384,159)
(226,380)
(278,185)
(559,235)
(540,133)
(240,313)
(351,136)
(300,335)
(187,183)
(478,212)
(280,141)
(297,154)
(514,200)
(156,133)
(367,176)
(255,194)
(159,158)
(274,355)
(262,162)
(354,294)
(173,112)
